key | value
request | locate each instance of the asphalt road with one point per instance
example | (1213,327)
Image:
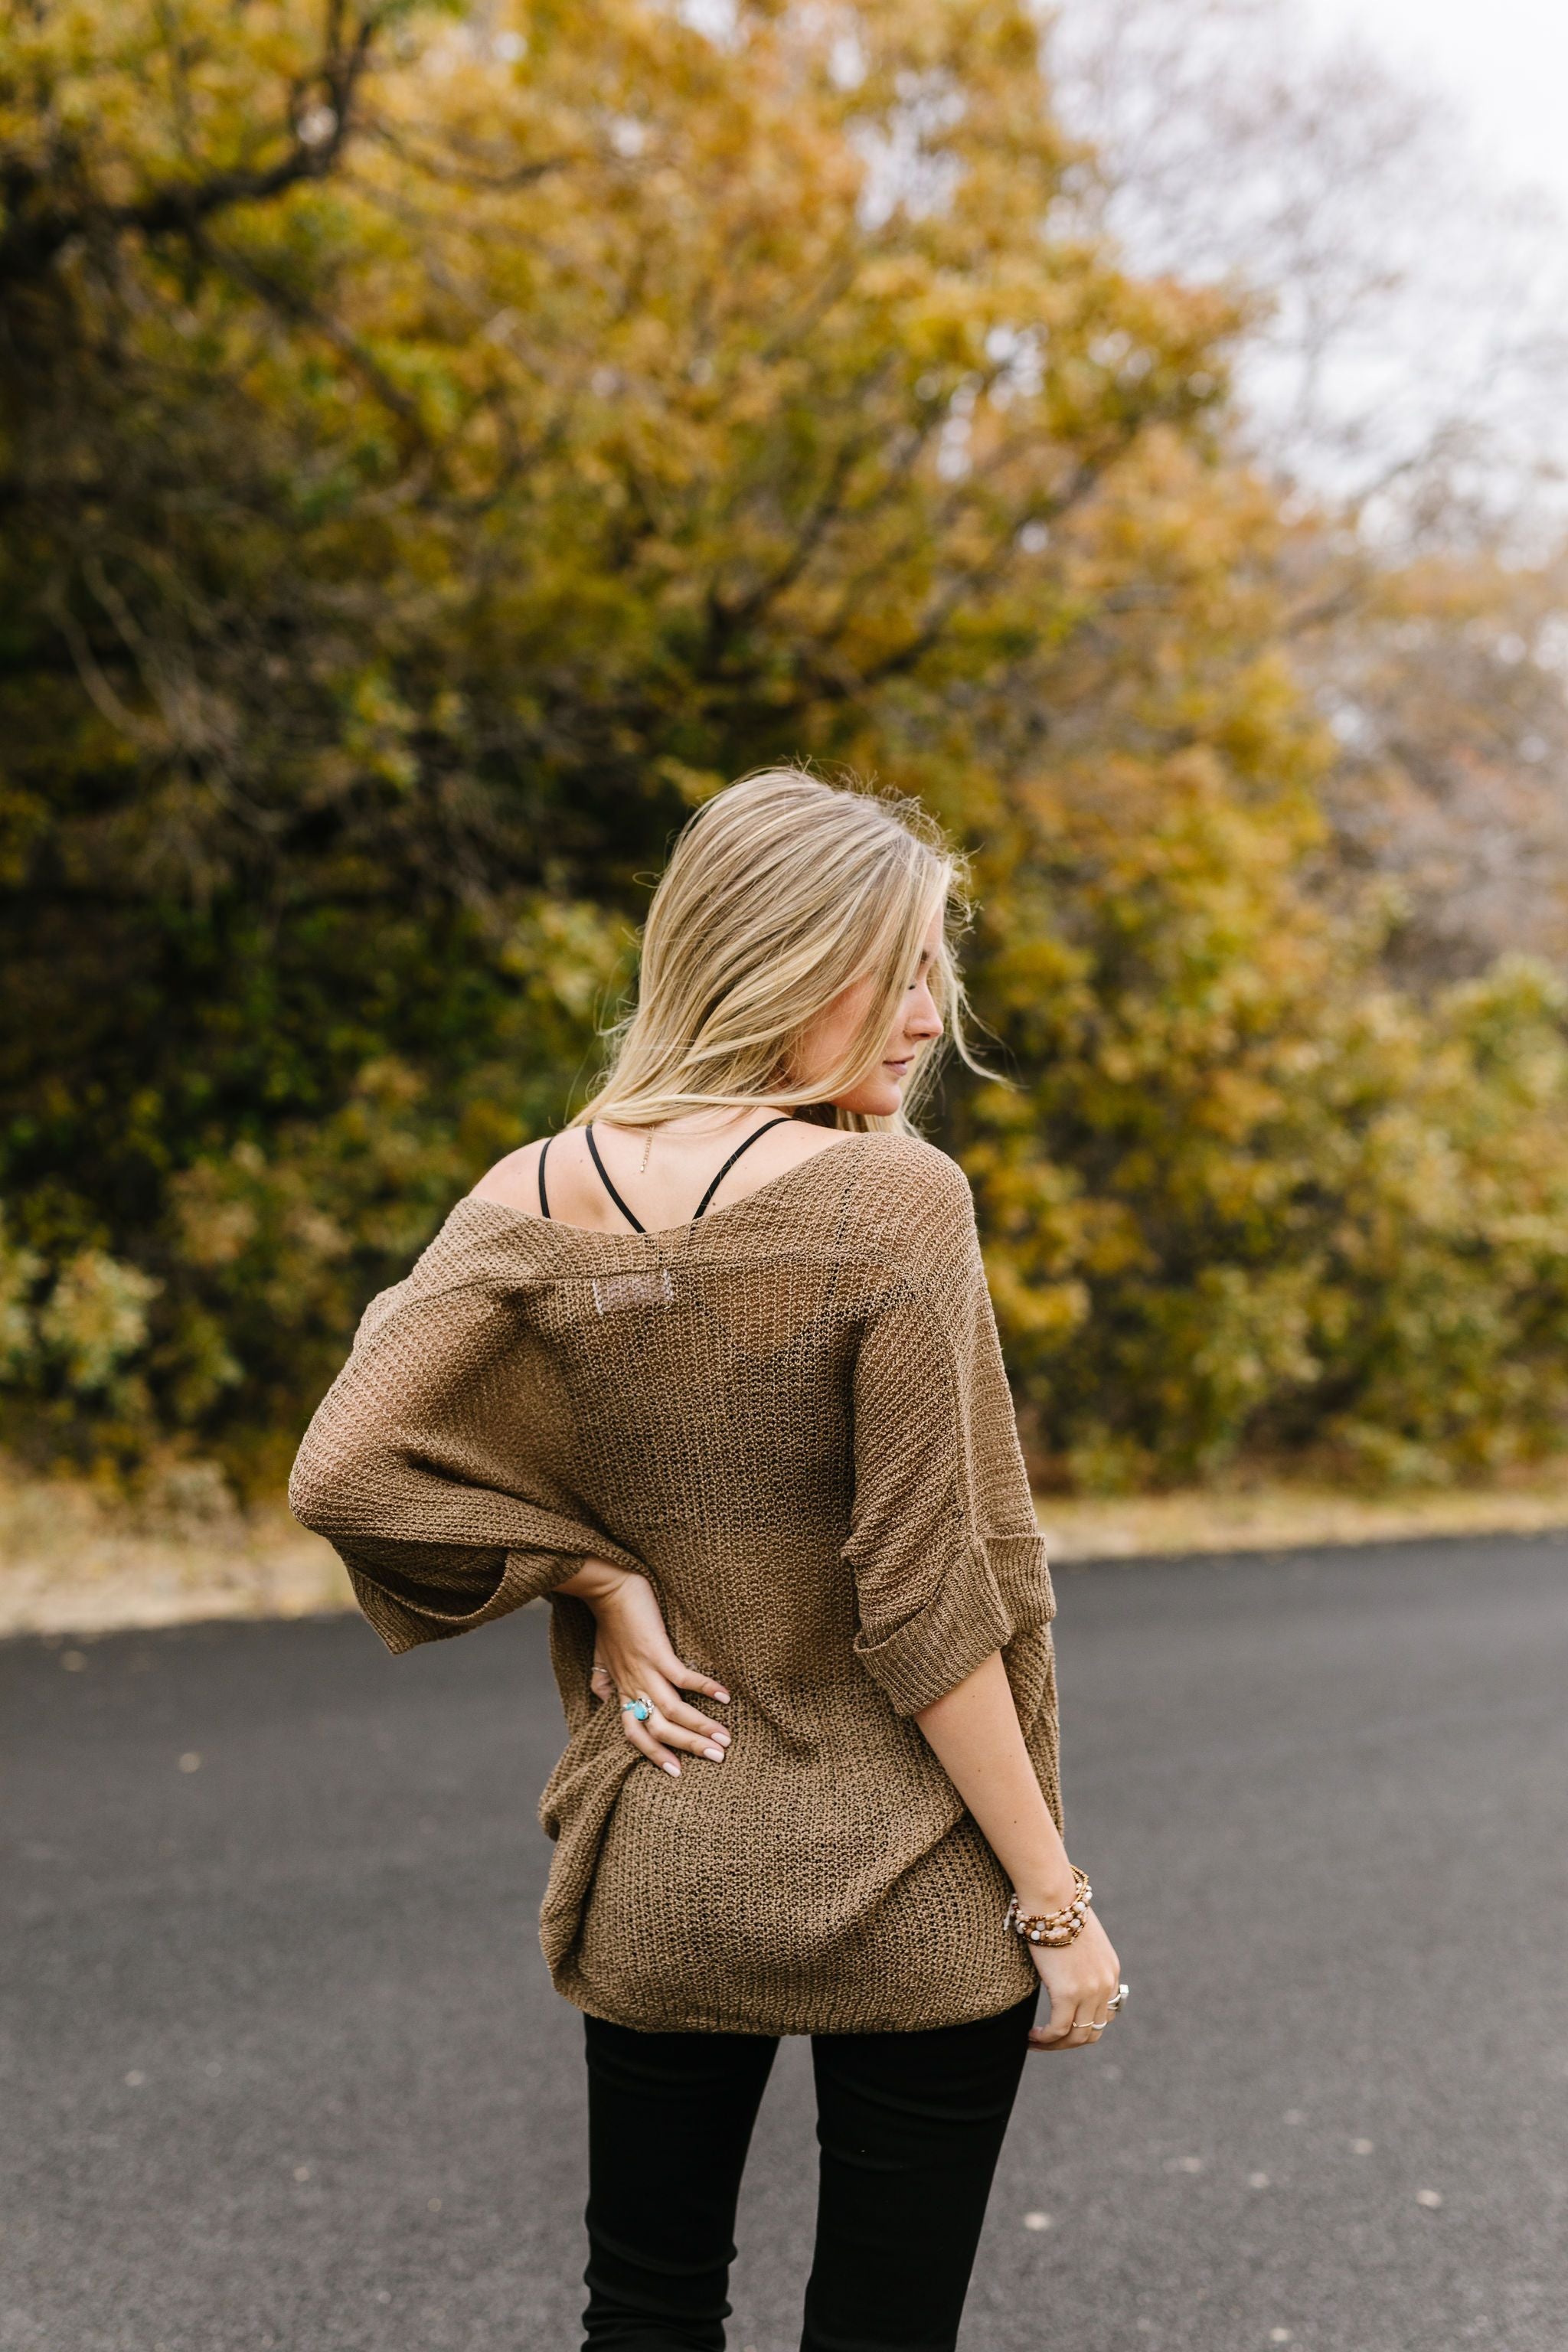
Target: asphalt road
(282,2066)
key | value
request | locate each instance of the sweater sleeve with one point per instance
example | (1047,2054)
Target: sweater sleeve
(948,1559)
(413,1469)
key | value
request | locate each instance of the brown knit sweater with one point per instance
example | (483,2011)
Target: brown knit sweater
(791,1416)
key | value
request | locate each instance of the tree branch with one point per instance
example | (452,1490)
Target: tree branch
(33,241)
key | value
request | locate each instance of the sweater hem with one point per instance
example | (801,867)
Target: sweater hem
(791,2021)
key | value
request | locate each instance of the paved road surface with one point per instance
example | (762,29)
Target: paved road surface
(282,2067)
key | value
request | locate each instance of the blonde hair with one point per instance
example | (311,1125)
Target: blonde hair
(782,892)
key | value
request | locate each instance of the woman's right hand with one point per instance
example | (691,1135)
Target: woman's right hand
(634,1658)
(1081,1980)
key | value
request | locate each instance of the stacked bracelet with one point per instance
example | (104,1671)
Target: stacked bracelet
(1054,1928)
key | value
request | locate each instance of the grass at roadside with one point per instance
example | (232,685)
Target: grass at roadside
(1280,1516)
(75,1561)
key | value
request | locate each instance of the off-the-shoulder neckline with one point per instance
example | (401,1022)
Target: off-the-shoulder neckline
(692,1225)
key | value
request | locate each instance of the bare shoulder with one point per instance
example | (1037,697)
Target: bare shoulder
(901,1180)
(908,1161)
(795,1141)
(514,1180)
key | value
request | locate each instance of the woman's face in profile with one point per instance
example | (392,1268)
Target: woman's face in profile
(916,1025)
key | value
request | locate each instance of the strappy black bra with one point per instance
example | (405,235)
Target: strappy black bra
(635,1224)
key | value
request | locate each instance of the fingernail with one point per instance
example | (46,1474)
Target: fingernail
(714,1755)
(722,1737)
(722,1695)
(674,1771)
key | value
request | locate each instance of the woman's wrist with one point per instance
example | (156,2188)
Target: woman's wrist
(1057,1927)
(1038,1867)
(596,1581)
(1046,1890)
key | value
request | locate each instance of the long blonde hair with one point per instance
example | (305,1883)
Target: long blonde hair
(782,892)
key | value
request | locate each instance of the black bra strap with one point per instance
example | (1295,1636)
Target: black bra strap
(635,1224)
(543,1195)
(781,1120)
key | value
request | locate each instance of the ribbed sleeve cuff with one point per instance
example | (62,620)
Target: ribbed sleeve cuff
(991,1592)
(406,1612)
(1022,1577)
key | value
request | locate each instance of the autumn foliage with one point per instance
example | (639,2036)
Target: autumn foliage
(437,447)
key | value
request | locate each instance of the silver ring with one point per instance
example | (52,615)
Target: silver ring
(638,1708)
(1116,2000)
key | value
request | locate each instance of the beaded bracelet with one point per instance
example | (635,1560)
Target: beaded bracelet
(1055,1930)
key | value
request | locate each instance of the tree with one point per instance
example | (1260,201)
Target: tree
(1407,356)
(437,452)
(1404,385)
(441,449)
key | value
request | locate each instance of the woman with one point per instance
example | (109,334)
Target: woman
(715,1371)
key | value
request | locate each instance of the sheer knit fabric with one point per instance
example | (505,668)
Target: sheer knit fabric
(792,1418)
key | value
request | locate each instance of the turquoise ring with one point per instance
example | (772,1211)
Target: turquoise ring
(638,1708)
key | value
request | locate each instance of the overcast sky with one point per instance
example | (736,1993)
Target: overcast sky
(1505,60)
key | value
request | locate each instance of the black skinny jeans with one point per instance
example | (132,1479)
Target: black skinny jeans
(909,2127)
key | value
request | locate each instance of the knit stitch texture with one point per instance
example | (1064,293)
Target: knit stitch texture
(793,1417)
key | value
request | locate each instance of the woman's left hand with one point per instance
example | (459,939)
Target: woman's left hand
(1081,1981)
(634,1658)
